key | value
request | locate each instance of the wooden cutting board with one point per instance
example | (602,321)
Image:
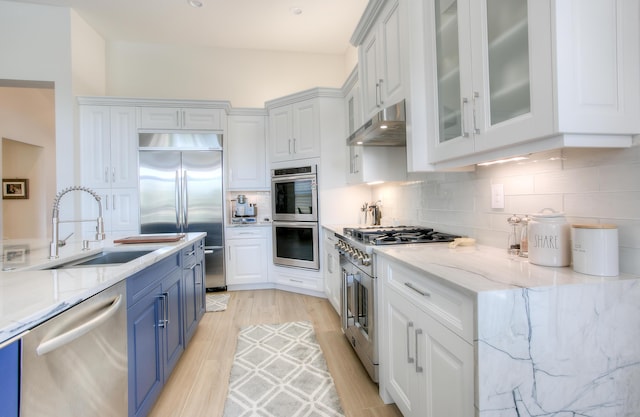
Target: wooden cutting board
(150,238)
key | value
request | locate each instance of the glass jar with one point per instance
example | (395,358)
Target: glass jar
(524,236)
(513,241)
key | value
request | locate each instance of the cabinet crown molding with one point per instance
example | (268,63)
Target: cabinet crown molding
(151,102)
(317,92)
(366,21)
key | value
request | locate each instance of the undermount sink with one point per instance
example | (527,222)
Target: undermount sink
(104,258)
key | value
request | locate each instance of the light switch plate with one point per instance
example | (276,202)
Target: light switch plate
(497,196)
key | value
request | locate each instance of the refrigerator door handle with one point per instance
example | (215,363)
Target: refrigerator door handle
(178,201)
(185,206)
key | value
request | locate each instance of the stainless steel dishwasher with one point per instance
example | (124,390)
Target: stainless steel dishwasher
(75,364)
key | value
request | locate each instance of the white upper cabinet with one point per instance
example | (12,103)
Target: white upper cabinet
(508,77)
(181,118)
(108,146)
(382,61)
(246,152)
(294,131)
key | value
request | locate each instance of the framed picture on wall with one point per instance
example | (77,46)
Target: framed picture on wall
(15,188)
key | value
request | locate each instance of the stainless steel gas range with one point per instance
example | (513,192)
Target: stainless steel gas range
(359,295)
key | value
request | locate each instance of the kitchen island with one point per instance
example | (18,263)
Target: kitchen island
(30,295)
(541,340)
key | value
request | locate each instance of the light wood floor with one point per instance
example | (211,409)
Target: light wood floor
(198,385)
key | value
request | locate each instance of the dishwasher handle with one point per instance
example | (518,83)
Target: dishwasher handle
(71,335)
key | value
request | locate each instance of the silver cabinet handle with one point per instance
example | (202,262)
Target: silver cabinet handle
(289,147)
(409,358)
(106,202)
(71,335)
(418,367)
(113,175)
(465,133)
(294,145)
(476,96)
(167,317)
(419,291)
(380,89)
(113,201)
(162,322)
(106,174)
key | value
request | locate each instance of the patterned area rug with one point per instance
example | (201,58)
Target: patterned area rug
(279,371)
(217,302)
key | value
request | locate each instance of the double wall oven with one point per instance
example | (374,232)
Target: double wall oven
(294,196)
(359,317)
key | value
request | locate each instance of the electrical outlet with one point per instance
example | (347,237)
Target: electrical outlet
(497,196)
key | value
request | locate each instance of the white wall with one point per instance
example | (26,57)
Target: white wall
(589,186)
(246,78)
(35,45)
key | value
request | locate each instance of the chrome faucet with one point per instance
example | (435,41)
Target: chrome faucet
(55,221)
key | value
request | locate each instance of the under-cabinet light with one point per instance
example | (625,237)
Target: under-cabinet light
(502,161)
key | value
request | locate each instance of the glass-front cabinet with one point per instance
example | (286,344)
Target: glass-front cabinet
(491,62)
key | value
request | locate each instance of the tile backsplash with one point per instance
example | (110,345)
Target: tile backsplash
(588,185)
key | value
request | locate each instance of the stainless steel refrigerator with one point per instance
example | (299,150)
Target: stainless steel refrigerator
(181,191)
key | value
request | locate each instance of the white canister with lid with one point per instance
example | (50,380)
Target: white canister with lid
(595,249)
(549,239)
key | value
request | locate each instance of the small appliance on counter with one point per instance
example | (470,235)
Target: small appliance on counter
(243,212)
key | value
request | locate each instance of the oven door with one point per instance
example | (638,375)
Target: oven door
(295,198)
(296,244)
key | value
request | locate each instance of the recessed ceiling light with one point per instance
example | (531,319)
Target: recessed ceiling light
(195,3)
(295,10)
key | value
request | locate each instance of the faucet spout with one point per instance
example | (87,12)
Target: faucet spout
(55,221)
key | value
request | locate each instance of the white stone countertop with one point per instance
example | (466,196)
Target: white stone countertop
(481,268)
(30,295)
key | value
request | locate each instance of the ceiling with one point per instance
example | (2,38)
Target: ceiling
(324,26)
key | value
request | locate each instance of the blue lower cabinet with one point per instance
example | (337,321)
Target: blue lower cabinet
(10,380)
(194,287)
(155,334)
(165,304)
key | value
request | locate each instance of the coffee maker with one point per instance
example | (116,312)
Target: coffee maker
(243,211)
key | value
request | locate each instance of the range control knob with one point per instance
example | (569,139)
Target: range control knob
(366,260)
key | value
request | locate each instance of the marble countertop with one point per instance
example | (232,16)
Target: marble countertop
(479,268)
(29,295)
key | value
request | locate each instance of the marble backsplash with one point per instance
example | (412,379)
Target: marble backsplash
(588,185)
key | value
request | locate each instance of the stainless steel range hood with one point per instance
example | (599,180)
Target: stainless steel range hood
(387,128)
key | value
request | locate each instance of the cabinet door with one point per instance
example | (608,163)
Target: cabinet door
(95,146)
(203,119)
(306,130)
(10,381)
(160,118)
(391,58)
(122,209)
(332,273)
(239,270)
(281,133)
(445,367)
(448,54)
(512,77)
(145,350)
(123,156)
(400,338)
(246,154)
(190,301)
(119,211)
(172,292)
(371,102)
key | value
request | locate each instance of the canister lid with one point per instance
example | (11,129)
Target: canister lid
(594,226)
(547,213)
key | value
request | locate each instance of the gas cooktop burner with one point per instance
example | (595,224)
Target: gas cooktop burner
(377,235)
